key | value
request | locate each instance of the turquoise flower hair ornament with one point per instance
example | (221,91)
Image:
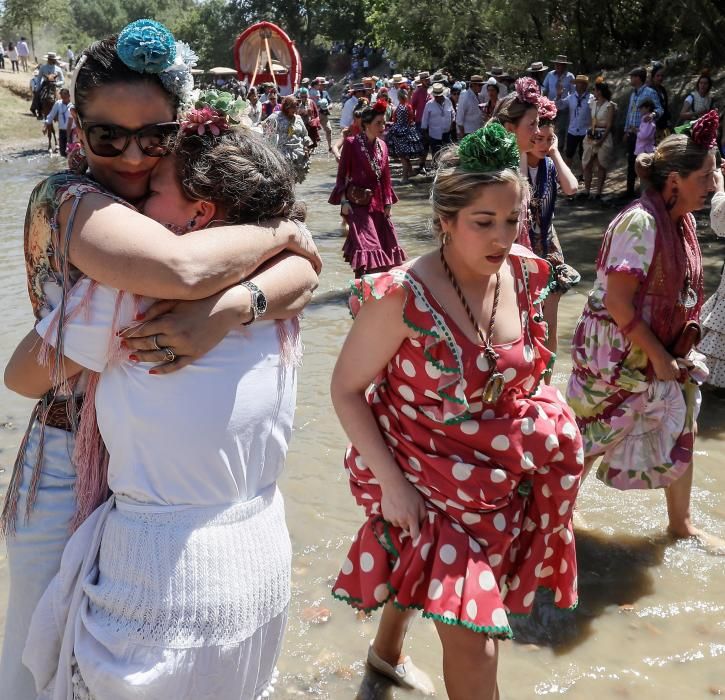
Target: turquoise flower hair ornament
(147,46)
(489,149)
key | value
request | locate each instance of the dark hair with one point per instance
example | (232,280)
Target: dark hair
(359,108)
(640,73)
(368,114)
(656,68)
(707,77)
(649,104)
(675,154)
(494,86)
(104,67)
(604,89)
(239,171)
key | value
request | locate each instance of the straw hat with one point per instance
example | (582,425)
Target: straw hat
(476,79)
(397,78)
(498,72)
(582,79)
(561,58)
(424,75)
(537,67)
(438,89)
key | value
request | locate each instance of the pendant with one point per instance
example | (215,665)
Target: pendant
(689,297)
(494,387)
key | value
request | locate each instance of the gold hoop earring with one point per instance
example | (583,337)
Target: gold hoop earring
(445,238)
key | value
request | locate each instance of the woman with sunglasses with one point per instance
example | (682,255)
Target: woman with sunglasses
(181,583)
(86,225)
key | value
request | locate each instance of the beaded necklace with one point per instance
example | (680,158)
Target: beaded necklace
(494,386)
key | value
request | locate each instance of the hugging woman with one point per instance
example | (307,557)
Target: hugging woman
(127,99)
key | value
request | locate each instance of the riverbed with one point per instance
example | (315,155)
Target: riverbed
(651,619)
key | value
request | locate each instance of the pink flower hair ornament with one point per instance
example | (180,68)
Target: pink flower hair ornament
(527,90)
(547,109)
(200,120)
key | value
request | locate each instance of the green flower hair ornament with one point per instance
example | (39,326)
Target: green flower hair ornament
(490,148)
(224,103)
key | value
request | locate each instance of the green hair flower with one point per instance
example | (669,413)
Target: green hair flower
(488,149)
(222,102)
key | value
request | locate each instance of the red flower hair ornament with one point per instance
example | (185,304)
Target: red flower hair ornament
(380,107)
(702,131)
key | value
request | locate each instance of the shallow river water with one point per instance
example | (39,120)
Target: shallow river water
(651,619)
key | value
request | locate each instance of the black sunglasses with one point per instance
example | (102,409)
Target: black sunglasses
(109,140)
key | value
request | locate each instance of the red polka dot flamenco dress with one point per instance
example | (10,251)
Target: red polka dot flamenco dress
(498,480)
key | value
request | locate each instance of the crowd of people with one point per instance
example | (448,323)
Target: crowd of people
(133,576)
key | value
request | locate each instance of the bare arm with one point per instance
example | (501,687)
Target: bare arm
(26,376)
(121,248)
(621,290)
(193,328)
(375,336)
(567,179)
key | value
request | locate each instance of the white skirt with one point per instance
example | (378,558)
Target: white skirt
(712,344)
(166,603)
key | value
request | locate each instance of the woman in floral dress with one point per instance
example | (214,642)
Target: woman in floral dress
(403,138)
(466,466)
(371,244)
(636,394)
(713,311)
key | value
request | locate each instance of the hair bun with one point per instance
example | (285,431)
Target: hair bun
(643,165)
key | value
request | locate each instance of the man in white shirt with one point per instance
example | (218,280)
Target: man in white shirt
(437,119)
(71,57)
(348,109)
(468,116)
(23,53)
(254,111)
(60,113)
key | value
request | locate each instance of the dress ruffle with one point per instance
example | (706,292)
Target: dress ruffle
(712,344)
(498,482)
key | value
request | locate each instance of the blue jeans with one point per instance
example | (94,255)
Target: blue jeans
(34,551)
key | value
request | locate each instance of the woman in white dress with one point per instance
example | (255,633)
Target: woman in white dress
(178,586)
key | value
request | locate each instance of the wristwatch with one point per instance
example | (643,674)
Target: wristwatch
(259,301)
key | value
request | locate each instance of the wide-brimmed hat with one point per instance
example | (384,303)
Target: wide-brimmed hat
(424,75)
(320,80)
(537,67)
(53,55)
(561,58)
(368,79)
(358,87)
(397,78)
(438,78)
(582,79)
(438,89)
(305,81)
(497,72)
(475,78)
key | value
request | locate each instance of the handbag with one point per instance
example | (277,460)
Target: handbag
(689,338)
(360,196)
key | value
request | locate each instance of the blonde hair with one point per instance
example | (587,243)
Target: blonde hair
(455,188)
(675,154)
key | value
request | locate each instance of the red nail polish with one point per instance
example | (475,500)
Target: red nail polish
(133,358)
(124,344)
(140,316)
(153,371)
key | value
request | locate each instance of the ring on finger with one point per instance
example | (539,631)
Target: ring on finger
(170,354)
(155,340)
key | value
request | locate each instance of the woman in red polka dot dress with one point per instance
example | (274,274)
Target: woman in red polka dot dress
(466,464)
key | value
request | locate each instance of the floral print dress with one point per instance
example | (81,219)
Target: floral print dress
(642,427)
(498,481)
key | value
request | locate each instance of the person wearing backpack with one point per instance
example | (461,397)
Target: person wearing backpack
(699,101)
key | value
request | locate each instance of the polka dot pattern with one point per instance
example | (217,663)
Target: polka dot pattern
(498,481)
